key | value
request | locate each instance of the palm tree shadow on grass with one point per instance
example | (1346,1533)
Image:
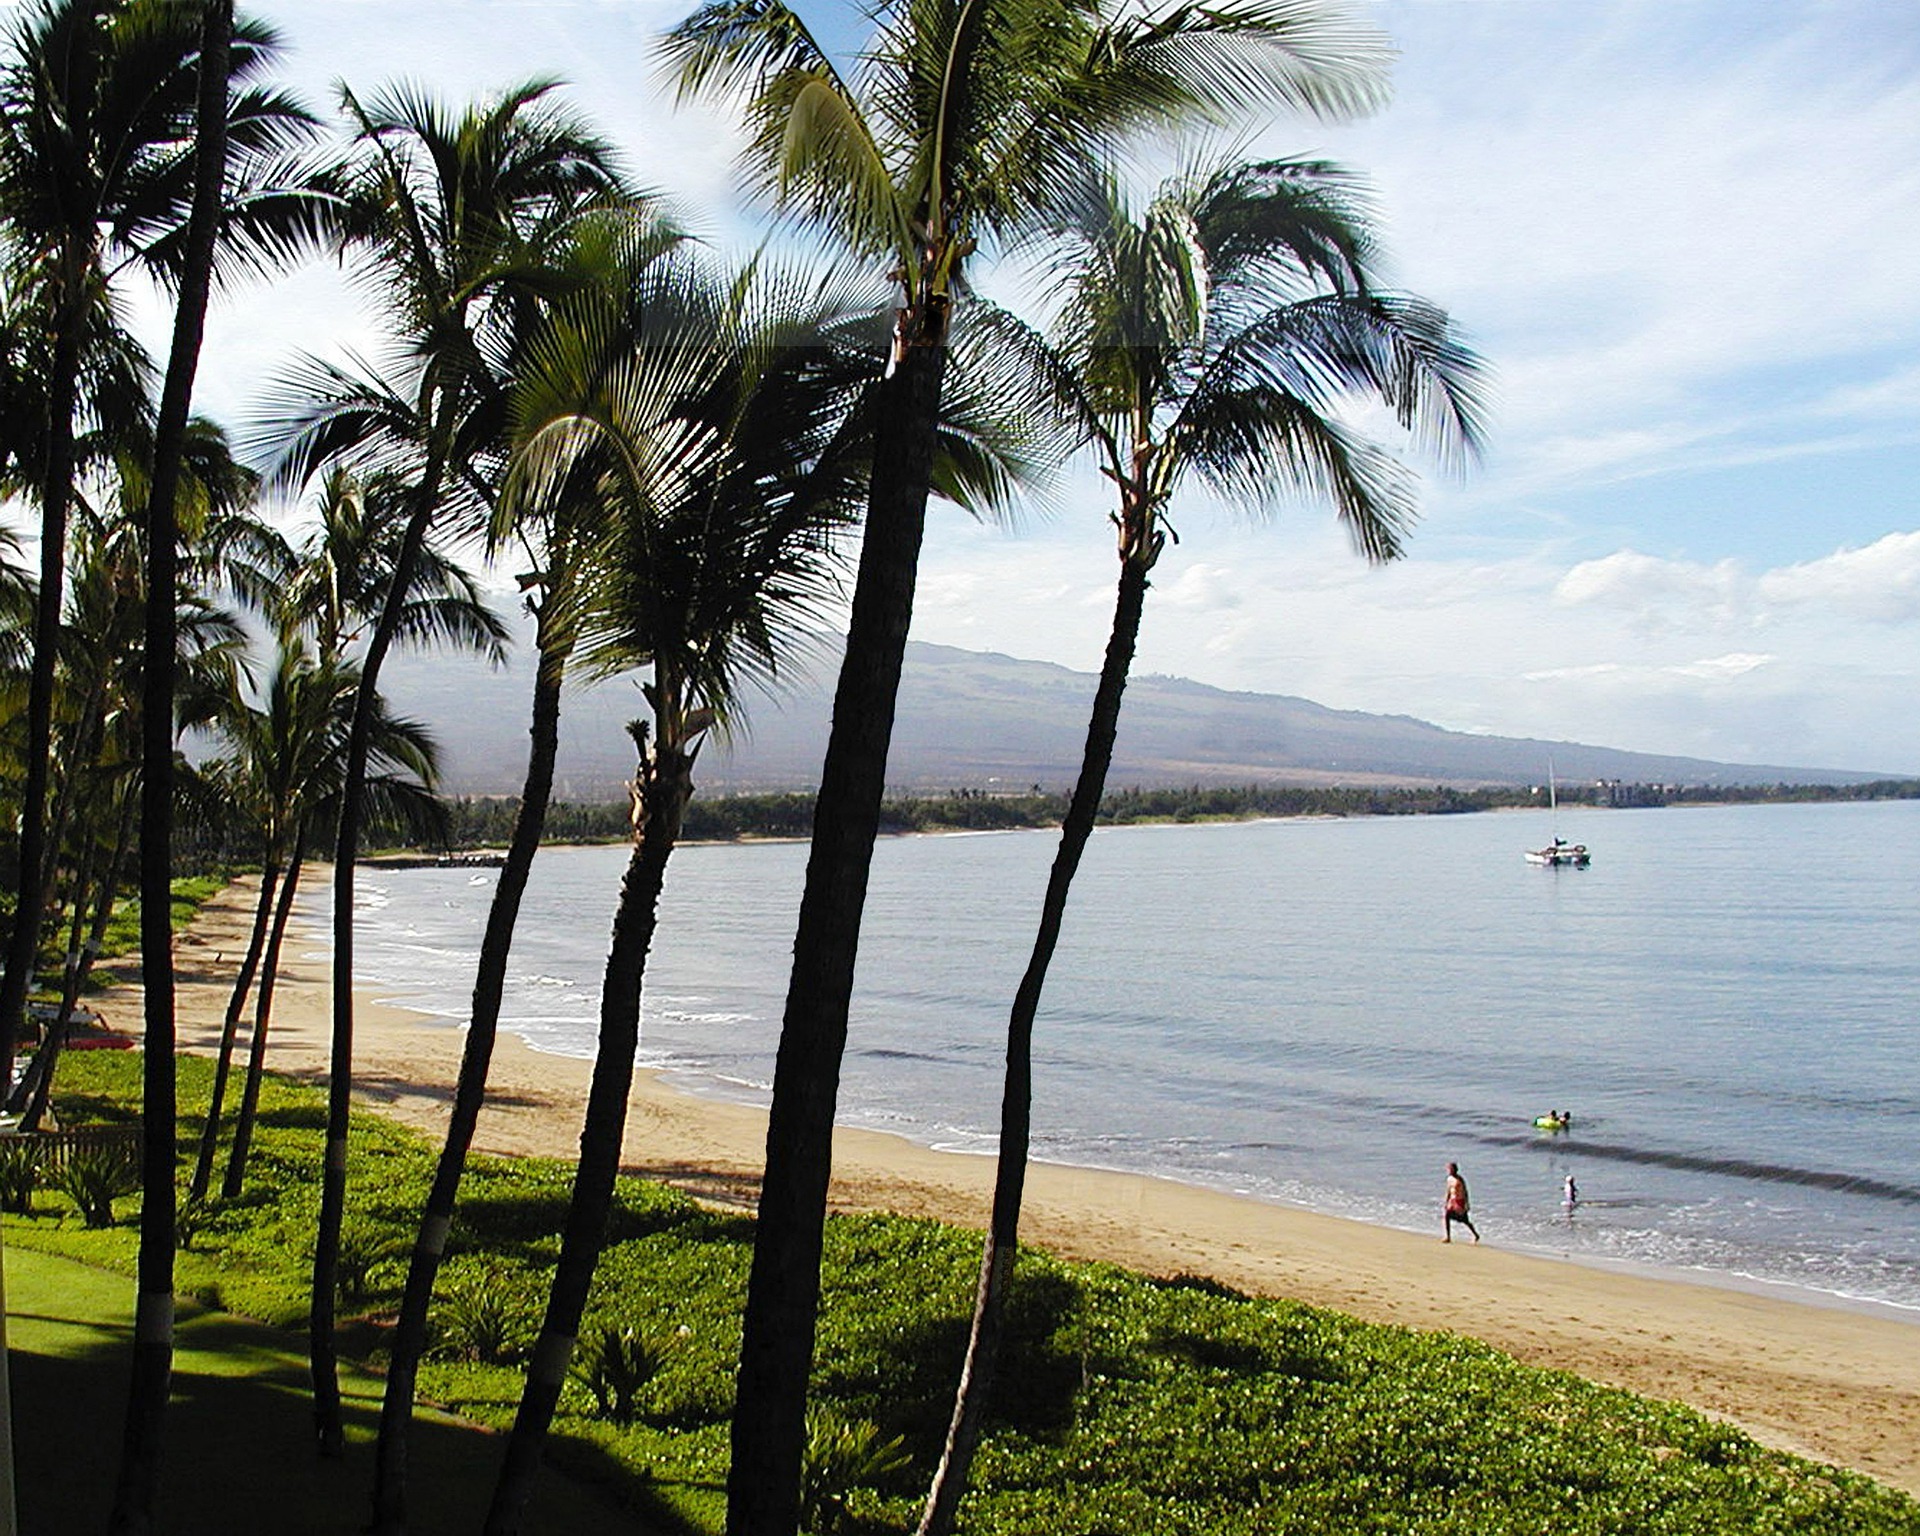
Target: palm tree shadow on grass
(1043,1369)
(67,1388)
(288,1117)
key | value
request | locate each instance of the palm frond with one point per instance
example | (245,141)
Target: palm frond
(735,47)
(1262,450)
(1012,411)
(320,412)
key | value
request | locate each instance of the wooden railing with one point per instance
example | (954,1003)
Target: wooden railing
(57,1148)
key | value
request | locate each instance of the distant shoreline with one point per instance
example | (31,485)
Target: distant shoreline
(485,822)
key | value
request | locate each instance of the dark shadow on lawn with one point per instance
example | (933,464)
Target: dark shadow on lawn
(1038,1382)
(239,1457)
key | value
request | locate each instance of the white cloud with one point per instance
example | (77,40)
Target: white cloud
(1880,583)
(1893,395)
(1598,669)
(1720,668)
(1202,586)
(1655,593)
(1650,654)
(949,589)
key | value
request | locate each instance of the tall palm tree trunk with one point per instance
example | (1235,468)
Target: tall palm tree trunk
(323,1356)
(36,1087)
(81,909)
(1016,1104)
(53,1038)
(230,1028)
(249,1110)
(23,944)
(153,1322)
(410,1333)
(783,1291)
(667,785)
(66,794)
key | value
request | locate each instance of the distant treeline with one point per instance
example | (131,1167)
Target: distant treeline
(479,822)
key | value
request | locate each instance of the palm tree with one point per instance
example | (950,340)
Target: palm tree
(725,447)
(962,123)
(276,771)
(97,792)
(16,604)
(1222,332)
(285,759)
(609,264)
(96,887)
(285,765)
(159,1101)
(335,584)
(98,115)
(16,627)
(455,219)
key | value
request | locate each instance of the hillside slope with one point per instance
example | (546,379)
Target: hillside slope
(977,719)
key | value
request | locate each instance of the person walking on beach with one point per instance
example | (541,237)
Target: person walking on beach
(1457,1205)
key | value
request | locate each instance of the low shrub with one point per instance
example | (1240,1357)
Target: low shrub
(19,1173)
(479,1316)
(365,1249)
(616,1365)
(843,1454)
(93,1178)
(190,1219)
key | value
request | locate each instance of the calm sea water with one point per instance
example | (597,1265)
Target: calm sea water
(1324,1013)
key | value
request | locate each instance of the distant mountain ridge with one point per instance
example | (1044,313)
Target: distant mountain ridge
(982,720)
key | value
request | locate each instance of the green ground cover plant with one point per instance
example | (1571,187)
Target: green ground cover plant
(1129,1404)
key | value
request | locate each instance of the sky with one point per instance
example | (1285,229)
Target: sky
(1685,234)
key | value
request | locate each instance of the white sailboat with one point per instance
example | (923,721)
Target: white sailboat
(1558,852)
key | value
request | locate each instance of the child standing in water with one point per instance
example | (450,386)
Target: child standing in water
(1457,1205)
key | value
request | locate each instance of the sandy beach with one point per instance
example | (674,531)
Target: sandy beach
(1838,1384)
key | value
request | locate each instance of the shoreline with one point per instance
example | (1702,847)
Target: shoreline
(685,1083)
(1826,1377)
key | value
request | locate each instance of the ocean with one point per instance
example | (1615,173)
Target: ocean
(1325,1013)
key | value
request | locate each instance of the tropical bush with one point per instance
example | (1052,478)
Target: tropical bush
(93,1178)
(480,1315)
(843,1455)
(190,1219)
(616,1365)
(365,1247)
(19,1173)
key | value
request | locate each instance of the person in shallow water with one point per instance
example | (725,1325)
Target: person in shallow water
(1457,1205)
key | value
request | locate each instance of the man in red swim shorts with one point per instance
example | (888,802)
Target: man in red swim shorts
(1457,1204)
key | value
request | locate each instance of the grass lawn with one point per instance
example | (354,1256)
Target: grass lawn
(1127,1405)
(239,1457)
